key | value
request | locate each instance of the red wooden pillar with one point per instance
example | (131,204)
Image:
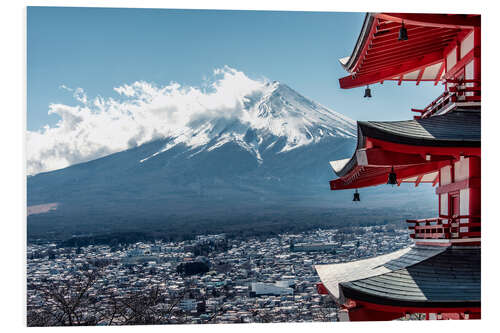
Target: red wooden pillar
(477,56)
(475,191)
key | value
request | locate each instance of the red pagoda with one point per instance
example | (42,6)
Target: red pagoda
(439,276)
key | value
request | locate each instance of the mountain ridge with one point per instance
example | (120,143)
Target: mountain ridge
(278,112)
(272,156)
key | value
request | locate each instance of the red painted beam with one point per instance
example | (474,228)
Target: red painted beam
(439,73)
(421,36)
(367,314)
(364,176)
(419,78)
(424,150)
(477,55)
(389,63)
(460,64)
(457,21)
(416,36)
(391,308)
(384,31)
(378,157)
(419,179)
(362,52)
(408,67)
(466,183)
(407,54)
(401,63)
(397,66)
(396,49)
(435,180)
(412,80)
(425,40)
(389,66)
(387,25)
(391,37)
(379,176)
(393,33)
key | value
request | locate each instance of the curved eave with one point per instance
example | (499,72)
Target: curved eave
(415,277)
(368,26)
(378,55)
(413,148)
(343,167)
(366,176)
(355,294)
(454,129)
(450,279)
(333,274)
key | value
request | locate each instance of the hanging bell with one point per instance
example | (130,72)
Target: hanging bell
(356,196)
(403,33)
(368,92)
(392,178)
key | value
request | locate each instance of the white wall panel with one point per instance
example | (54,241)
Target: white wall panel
(469,75)
(462,169)
(464,204)
(467,45)
(445,175)
(451,59)
(444,204)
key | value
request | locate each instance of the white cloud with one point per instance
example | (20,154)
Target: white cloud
(63,86)
(80,95)
(142,112)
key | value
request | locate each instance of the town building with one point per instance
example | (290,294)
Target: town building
(188,304)
(312,247)
(277,289)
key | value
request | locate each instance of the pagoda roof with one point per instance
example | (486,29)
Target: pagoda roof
(413,148)
(378,54)
(419,276)
(454,129)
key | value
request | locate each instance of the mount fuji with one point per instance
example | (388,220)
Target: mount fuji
(271,154)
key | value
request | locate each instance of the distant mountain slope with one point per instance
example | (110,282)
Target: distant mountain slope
(274,154)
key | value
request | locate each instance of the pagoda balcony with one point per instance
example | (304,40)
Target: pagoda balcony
(463,93)
(446,227)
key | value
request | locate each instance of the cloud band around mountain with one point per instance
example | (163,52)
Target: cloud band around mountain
(141,112)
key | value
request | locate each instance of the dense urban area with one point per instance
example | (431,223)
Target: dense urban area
(209,279)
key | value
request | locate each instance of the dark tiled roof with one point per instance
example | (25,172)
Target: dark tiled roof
(415,255)
(332,275)
(449,279)
(454,129)
(458,128)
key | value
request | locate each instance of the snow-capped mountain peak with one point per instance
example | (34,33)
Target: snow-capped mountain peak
(268,115)
(266,147)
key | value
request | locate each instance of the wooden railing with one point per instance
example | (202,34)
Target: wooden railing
(459,92)
(446,227)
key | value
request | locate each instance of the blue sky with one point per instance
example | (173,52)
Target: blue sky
(98,49)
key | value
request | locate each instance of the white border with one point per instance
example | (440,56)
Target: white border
(13,87)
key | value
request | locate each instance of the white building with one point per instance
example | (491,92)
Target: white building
(260,288)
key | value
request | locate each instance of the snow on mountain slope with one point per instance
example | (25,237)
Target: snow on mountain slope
(228,108)
(264,149)
(274,112)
